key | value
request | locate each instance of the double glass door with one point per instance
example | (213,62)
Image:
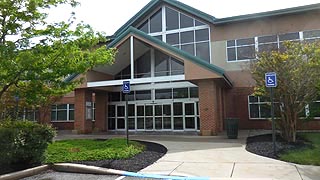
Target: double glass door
(177,116)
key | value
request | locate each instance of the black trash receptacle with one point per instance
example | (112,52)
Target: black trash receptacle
(232,126)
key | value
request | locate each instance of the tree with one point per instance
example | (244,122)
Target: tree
(37,56)
(298,71)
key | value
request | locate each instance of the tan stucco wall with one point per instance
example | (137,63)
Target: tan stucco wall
(240,78)
(267,26)
(195,72)
(238,71)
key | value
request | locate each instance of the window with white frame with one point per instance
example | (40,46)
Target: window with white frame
(259,108)
(241,49)
(163,65)
(245,49)
(311,35)
(62,112)
(29,114)
(313,109)
(179,30)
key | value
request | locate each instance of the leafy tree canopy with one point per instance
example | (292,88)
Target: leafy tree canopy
(37,56)
(298,71)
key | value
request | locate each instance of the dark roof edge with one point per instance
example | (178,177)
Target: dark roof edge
(173,3)
(164,45)
(292,10)
(71,77)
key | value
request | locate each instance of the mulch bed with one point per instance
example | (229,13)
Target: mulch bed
(151,154)
(262,145)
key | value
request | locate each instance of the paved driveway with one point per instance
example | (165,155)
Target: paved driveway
(218,158)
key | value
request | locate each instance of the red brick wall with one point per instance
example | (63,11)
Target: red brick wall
(81,124)
(237,106)
(209,107)
(101,110)
(63,125)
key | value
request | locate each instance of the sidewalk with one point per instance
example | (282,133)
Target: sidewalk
(218,158)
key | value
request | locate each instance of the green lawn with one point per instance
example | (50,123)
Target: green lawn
(85,150)
(310,156)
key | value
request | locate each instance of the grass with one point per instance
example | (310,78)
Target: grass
(91,150)
(308,155)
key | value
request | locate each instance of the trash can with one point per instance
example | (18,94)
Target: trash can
(232,126)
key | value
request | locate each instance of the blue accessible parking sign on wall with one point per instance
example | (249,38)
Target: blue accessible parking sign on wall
(126,87)
(271,79)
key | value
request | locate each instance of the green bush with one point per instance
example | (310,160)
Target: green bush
(23,143)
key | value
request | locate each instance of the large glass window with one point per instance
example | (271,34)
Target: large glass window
(314,109)
(241,49)
(186,21)
(143,95)
(268,43)
(181,31)
(29,114)
(111,117)
(142,66)
(259,108)
(114,96)
(62,112)
(156,22)
(312,35)
(244,49)
(166,65)
(172,19)
(163,94)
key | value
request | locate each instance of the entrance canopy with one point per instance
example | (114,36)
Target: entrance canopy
(134,45)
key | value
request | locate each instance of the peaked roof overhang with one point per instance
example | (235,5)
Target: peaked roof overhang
(153,4)
(131,31)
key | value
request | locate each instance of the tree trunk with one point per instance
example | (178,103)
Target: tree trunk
(289,124)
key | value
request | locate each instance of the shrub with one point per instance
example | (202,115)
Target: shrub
(23,143)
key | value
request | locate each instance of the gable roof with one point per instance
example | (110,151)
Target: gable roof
(135,32)
(153,4)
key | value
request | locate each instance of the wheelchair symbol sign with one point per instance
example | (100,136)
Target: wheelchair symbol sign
(271,79)
(126,87)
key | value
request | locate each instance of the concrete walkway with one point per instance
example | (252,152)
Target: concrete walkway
(218,158)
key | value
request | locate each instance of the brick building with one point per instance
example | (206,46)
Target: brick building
(187,69)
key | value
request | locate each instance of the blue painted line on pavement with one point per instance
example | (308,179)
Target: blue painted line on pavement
(140,175)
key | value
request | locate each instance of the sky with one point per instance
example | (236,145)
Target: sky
(109,15)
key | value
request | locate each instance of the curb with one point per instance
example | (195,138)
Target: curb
(85,169)
(25,173)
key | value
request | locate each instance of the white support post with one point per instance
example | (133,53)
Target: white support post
(132,57)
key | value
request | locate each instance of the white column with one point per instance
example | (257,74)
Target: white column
(131,57)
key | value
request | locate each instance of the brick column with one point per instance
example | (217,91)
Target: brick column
(101,111)
(208,105)
(81,124)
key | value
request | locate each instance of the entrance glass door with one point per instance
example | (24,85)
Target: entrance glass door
(121,117)
(140,117)
(190,115)
(149,117)
(163,117)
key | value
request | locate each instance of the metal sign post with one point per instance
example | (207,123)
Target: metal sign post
(271,82)
(126,91)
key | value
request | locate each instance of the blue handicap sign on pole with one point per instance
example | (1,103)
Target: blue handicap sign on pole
(271,79)
(126,87)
